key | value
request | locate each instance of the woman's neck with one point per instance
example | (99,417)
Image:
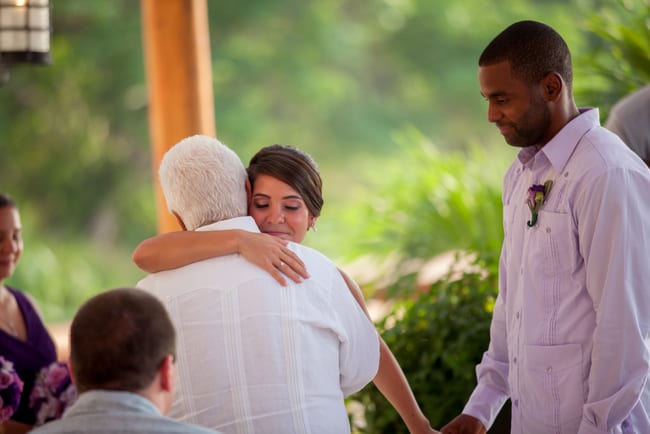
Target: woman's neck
(6,320)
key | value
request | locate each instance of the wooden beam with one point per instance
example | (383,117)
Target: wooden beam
(176,41)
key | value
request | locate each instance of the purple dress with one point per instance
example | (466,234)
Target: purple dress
(28,356)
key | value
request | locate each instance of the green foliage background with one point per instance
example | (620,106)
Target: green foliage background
(438,337)
(353,83)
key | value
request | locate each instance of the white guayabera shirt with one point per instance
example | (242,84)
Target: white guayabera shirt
(257,357)
(569,340)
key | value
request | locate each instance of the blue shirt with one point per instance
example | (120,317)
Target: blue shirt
(109,412)
(569,339)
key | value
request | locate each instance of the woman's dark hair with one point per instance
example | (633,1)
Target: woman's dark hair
(293,167)
(7,202)
(533,49)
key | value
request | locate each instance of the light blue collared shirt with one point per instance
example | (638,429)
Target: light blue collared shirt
(109,412)
(569,334)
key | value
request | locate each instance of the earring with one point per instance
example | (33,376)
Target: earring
(313,227)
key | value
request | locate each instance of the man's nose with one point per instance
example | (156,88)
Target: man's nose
(493,113)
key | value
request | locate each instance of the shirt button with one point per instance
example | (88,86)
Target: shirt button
(548,230)
(514,360)
(566,174)
(516,403)
(521,271)
(549,369)
(517,315)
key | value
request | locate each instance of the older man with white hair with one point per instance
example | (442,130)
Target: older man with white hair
(255,356)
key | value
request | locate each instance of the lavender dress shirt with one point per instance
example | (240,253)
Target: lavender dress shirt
(569,337)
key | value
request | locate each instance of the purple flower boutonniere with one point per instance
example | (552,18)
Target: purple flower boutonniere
(537,195)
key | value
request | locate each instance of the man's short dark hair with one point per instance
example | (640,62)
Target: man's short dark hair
(118,340)
(533,49)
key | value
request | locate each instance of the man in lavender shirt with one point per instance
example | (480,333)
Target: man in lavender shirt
(569,339)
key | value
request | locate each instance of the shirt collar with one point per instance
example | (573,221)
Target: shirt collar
(108,399)
(246,223)
(559,149)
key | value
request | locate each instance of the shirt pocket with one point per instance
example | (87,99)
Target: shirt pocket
(552,380)
(552,244)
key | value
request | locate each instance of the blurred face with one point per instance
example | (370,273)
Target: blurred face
(11,243)
(520,112)
(279,210)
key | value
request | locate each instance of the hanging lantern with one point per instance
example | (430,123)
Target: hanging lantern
(24,33)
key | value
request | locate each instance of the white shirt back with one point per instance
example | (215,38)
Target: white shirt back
(254,356)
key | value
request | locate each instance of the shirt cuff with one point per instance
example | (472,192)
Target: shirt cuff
(485,404)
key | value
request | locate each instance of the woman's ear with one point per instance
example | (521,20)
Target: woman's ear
(312,223)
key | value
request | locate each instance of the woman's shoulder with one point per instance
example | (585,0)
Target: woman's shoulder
(23,298)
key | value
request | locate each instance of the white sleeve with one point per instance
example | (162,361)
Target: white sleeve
(359,347)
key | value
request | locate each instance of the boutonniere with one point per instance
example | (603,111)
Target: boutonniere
(537,194)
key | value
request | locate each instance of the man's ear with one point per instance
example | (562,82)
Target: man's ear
(167,373)
(552,85)
(69,363)
(179,220)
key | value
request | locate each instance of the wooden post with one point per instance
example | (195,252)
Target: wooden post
(178,68)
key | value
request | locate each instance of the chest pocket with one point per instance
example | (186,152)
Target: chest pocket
(552,244)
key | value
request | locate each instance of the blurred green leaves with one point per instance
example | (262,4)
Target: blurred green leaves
(616,57)
(367,88)
(438,337)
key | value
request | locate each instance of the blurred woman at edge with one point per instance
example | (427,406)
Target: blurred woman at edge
(24,339)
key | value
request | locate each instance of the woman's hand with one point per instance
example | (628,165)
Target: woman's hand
(272,255)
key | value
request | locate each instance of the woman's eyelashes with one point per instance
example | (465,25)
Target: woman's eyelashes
(285,206)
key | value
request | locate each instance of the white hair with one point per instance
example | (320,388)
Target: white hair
(203,181)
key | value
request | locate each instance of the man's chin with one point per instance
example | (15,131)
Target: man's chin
(512,141)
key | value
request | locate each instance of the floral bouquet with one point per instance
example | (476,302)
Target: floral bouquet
(53,392)
(11,388)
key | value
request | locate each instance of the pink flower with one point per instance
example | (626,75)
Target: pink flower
(58,375)
(11,388)
(5,379)
(5,413)
(53,392)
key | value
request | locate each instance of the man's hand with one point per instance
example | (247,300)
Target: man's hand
(464,424)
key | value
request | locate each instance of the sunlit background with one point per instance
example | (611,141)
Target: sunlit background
(382,93)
